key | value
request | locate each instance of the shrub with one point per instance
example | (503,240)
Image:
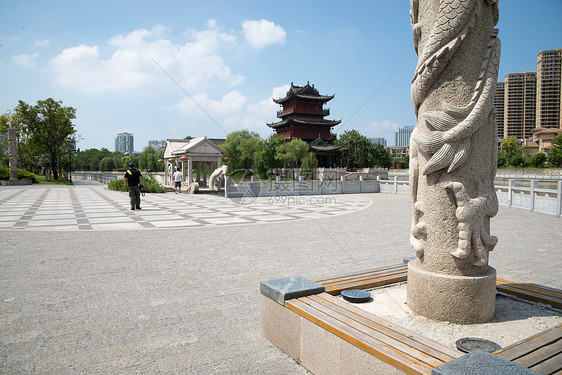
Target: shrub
(150,185)
(22,175)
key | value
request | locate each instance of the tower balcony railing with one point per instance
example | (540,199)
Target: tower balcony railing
(283,112)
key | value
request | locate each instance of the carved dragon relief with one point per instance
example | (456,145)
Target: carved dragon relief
(448,141)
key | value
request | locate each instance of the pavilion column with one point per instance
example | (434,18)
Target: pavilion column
(183,170)
(204,173)
(198,172)
(189,170)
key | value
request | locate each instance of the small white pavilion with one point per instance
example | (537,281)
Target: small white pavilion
(200,153)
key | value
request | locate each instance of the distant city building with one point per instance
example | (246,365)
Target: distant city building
(124,142)
(499,105)
(542,140)
(398,153)
(531,101)
(157,145)
(379,140)
(549,104)
(402,136)
(520,102)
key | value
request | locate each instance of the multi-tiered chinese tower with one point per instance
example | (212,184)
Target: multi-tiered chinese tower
(303,117)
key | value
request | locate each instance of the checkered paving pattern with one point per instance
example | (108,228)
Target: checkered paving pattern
(91,206)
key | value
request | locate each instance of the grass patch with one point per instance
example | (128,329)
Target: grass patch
(42,180)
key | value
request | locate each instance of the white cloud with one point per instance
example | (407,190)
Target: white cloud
(231,102)
(42,43)
(262,33)
(130,67)
(26,61)
(255,115)
(233,110)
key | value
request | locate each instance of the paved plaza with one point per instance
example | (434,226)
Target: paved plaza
(88,286)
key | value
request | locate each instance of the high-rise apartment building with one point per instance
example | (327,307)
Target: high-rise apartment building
(499,105)
(549,105)
(157,144)
(379,140)
(402,136)
(124,142)
(520,96)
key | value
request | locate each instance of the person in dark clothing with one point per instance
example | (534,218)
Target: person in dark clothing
(133,179)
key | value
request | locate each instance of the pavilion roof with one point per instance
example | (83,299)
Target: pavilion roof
(304,92)
(184,146)
(311,121)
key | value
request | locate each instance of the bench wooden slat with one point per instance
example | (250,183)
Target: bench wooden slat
(529,295)
(541,288)
(549,367)
(368,283)
(366,278)
(441,352)
(358,338)
(383,338)
(372,271)
(530,344)
(535,288)
(541,354)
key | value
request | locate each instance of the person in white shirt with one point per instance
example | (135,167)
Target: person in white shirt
(177,180)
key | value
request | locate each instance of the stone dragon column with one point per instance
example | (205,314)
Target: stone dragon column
(453,156)
(13,157)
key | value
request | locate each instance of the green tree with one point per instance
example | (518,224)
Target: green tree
(241,149)
(555,154)
(359,152)
(106,164)
(148,159)
(309,161)
(50,126)
(539,160)
(289,154)
(28,154)
(266,157)
(4,147)
(380,157)
(513,152)
(125,160)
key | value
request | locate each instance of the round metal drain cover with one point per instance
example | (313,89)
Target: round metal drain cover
(356,295)
(470,344)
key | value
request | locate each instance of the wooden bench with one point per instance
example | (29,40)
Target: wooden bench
(366,279)
(397,346)
(530,291)
(541,353)
(409,351)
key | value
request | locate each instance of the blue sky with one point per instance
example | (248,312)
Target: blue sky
(232,57)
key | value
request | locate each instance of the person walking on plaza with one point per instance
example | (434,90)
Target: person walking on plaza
(177,180)
(133,179)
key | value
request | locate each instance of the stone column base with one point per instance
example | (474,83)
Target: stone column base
(456,299)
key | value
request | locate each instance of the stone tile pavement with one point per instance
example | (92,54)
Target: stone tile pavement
(87,286)
(91,206)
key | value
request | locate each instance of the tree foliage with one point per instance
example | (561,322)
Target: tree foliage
(49,128)
(241,149)
(555,155)
(266,158)
(513,152)
(290,154)
(539,160)
(149,159)
(359,152)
